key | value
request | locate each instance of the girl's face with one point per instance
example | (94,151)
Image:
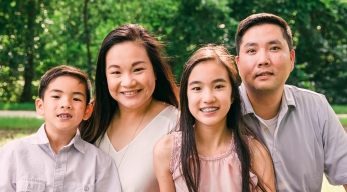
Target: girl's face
(209,94)
(130,75)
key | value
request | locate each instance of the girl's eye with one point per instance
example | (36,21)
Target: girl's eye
(139,69)
(196,88)
(219,86)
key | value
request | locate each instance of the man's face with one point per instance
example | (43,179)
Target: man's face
(264,59)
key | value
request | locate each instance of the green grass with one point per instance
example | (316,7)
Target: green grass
(22,123)
(18,106)
(340,109)
(343,122)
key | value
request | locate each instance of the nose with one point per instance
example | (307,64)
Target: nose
(209,96)
(66,104)
(263,59)
(128,80)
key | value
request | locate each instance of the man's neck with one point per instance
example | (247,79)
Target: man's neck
(266,105)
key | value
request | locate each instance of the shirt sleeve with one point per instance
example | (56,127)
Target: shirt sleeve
(335,147)
(107,178)
(7,169)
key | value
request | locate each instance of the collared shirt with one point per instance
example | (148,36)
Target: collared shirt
(308,141)
(30,164)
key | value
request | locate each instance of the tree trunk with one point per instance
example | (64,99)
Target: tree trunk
(29,43)
(87,32)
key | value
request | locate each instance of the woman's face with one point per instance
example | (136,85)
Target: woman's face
(209,94)
(130,75)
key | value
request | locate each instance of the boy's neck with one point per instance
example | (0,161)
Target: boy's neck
(59,140)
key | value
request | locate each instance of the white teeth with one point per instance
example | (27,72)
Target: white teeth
(130,93)
(64,116)
(209,109)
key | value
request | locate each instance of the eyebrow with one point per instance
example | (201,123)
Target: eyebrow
(273,42)
(60,91)
(214,81)
(132,65)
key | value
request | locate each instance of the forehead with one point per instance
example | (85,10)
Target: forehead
(208,70)
(126,53)
(67,82)
(263,32)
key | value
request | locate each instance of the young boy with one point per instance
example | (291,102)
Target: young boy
(56,158)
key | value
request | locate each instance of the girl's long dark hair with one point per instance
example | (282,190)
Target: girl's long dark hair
(104,105)
(189,154)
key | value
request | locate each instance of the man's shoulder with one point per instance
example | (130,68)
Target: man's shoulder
(302,93)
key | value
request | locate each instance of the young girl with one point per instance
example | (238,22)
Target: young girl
(214,149)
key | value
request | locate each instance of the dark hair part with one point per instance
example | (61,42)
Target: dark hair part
(64,70)
(260,19)
(189,154)
(104,105)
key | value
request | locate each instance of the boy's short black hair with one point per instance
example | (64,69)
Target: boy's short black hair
(64,70)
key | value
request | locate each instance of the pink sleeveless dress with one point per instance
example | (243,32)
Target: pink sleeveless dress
(218,173)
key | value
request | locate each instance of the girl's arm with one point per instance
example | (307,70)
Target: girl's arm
(262,165)
(161,158)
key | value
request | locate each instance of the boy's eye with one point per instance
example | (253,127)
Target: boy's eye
(55,96)
(77,99)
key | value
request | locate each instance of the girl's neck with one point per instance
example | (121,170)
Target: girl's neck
(212,140)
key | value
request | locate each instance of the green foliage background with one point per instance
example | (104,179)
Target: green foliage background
(39,34)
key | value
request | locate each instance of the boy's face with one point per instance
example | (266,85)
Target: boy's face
(64,105)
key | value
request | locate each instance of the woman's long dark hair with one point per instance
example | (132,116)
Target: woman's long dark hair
(104,105)
(189,154)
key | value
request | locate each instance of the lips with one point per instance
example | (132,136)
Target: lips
(130,93)
(209,109)
(264,73)
(64,116)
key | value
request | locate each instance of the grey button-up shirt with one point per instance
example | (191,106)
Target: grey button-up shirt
(308,141)
(29,164)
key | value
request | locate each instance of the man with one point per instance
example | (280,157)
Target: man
(300,129)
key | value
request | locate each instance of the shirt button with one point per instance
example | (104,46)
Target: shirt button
(28,187)
(57,189)
(59,165)
(86,188)
(275,149)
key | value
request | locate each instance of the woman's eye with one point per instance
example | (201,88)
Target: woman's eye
(115,72)
(196,88)
(139,69)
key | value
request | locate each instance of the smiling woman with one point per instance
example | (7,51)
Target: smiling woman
(135,104)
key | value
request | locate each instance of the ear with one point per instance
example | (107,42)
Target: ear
(292,58)
(88,112)
(39,107)
(237,60)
